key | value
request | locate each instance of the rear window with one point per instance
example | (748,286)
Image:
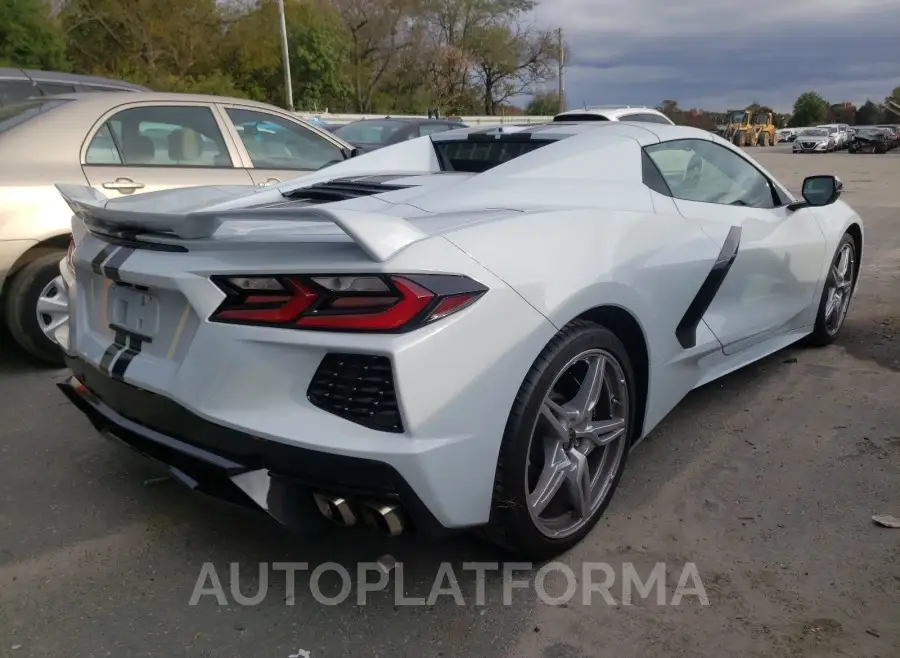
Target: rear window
(16,91)
(368,131)
(584,116)
(15,115)
(476,156)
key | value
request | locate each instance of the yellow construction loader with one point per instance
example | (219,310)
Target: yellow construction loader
(748,128)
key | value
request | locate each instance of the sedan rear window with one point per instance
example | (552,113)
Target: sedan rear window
(15,115)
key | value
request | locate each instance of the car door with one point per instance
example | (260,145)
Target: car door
(771,284)
(276,147)
(144,147)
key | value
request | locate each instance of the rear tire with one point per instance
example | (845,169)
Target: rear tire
(516,524)
(21,307)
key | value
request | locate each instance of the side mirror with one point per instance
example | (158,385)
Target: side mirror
(819,191)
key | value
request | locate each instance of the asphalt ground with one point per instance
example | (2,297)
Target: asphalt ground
(766,481)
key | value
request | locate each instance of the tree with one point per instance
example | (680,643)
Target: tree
(543,104)
(317,48)
(144,40)
(378,33)
(841,113)
(509,60)
(490,46)
(868,114)
(30,37)
(809,109)
(670,109)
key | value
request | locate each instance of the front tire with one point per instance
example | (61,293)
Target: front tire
(565,444)
(836,294)
(29,287)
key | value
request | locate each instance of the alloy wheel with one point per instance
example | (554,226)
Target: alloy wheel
(840,288)
(577,443)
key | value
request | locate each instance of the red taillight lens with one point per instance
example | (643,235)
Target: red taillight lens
(376,303)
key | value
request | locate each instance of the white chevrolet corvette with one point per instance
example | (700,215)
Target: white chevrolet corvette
(468,330)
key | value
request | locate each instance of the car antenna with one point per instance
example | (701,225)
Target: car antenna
(30,79)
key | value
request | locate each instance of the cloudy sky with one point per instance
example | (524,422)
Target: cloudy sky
(719,54)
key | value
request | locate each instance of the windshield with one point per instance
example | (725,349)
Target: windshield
(815,132)
(15,115)
(368,131)
(736,117)
(761,117)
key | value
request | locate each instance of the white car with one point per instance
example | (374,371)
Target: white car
(840,133)
(467,330)
(615,113)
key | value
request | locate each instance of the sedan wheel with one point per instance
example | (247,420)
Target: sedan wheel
(53,307)
(565,444)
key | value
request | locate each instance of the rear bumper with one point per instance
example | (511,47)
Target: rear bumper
(234,466)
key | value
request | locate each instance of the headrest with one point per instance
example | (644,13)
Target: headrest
(185,145)
(138,149)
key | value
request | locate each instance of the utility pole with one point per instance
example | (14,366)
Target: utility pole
(285,55)
(561,92)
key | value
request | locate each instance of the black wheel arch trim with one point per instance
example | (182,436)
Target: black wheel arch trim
(686,331)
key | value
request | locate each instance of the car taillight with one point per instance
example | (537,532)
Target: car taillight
(367,303)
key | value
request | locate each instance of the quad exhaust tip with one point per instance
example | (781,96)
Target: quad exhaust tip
(385,517)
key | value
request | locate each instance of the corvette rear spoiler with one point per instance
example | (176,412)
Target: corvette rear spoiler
(380,236)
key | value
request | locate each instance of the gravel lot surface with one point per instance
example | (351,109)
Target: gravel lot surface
(766,481)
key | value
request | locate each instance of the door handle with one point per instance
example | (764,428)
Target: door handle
(267,182)
(123,184)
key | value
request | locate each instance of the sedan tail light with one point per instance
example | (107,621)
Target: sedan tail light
(355,302)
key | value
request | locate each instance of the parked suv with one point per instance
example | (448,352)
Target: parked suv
(17,85)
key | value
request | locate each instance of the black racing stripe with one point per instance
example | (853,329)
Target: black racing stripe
(122,363)
(108,357)
(686,331)
(118,344)
(97,262)
(135,343)
(111,268)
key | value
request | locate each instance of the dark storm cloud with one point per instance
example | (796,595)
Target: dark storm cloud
(846,51)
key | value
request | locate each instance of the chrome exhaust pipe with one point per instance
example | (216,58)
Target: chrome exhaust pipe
(335,508)
(386,517)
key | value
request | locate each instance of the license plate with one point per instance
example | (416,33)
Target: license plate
(135,311)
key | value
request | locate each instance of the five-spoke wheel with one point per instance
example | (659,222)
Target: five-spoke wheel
(577,442)
(566,443)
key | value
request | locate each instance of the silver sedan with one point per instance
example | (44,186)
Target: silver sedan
(815,140)
(124,143)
